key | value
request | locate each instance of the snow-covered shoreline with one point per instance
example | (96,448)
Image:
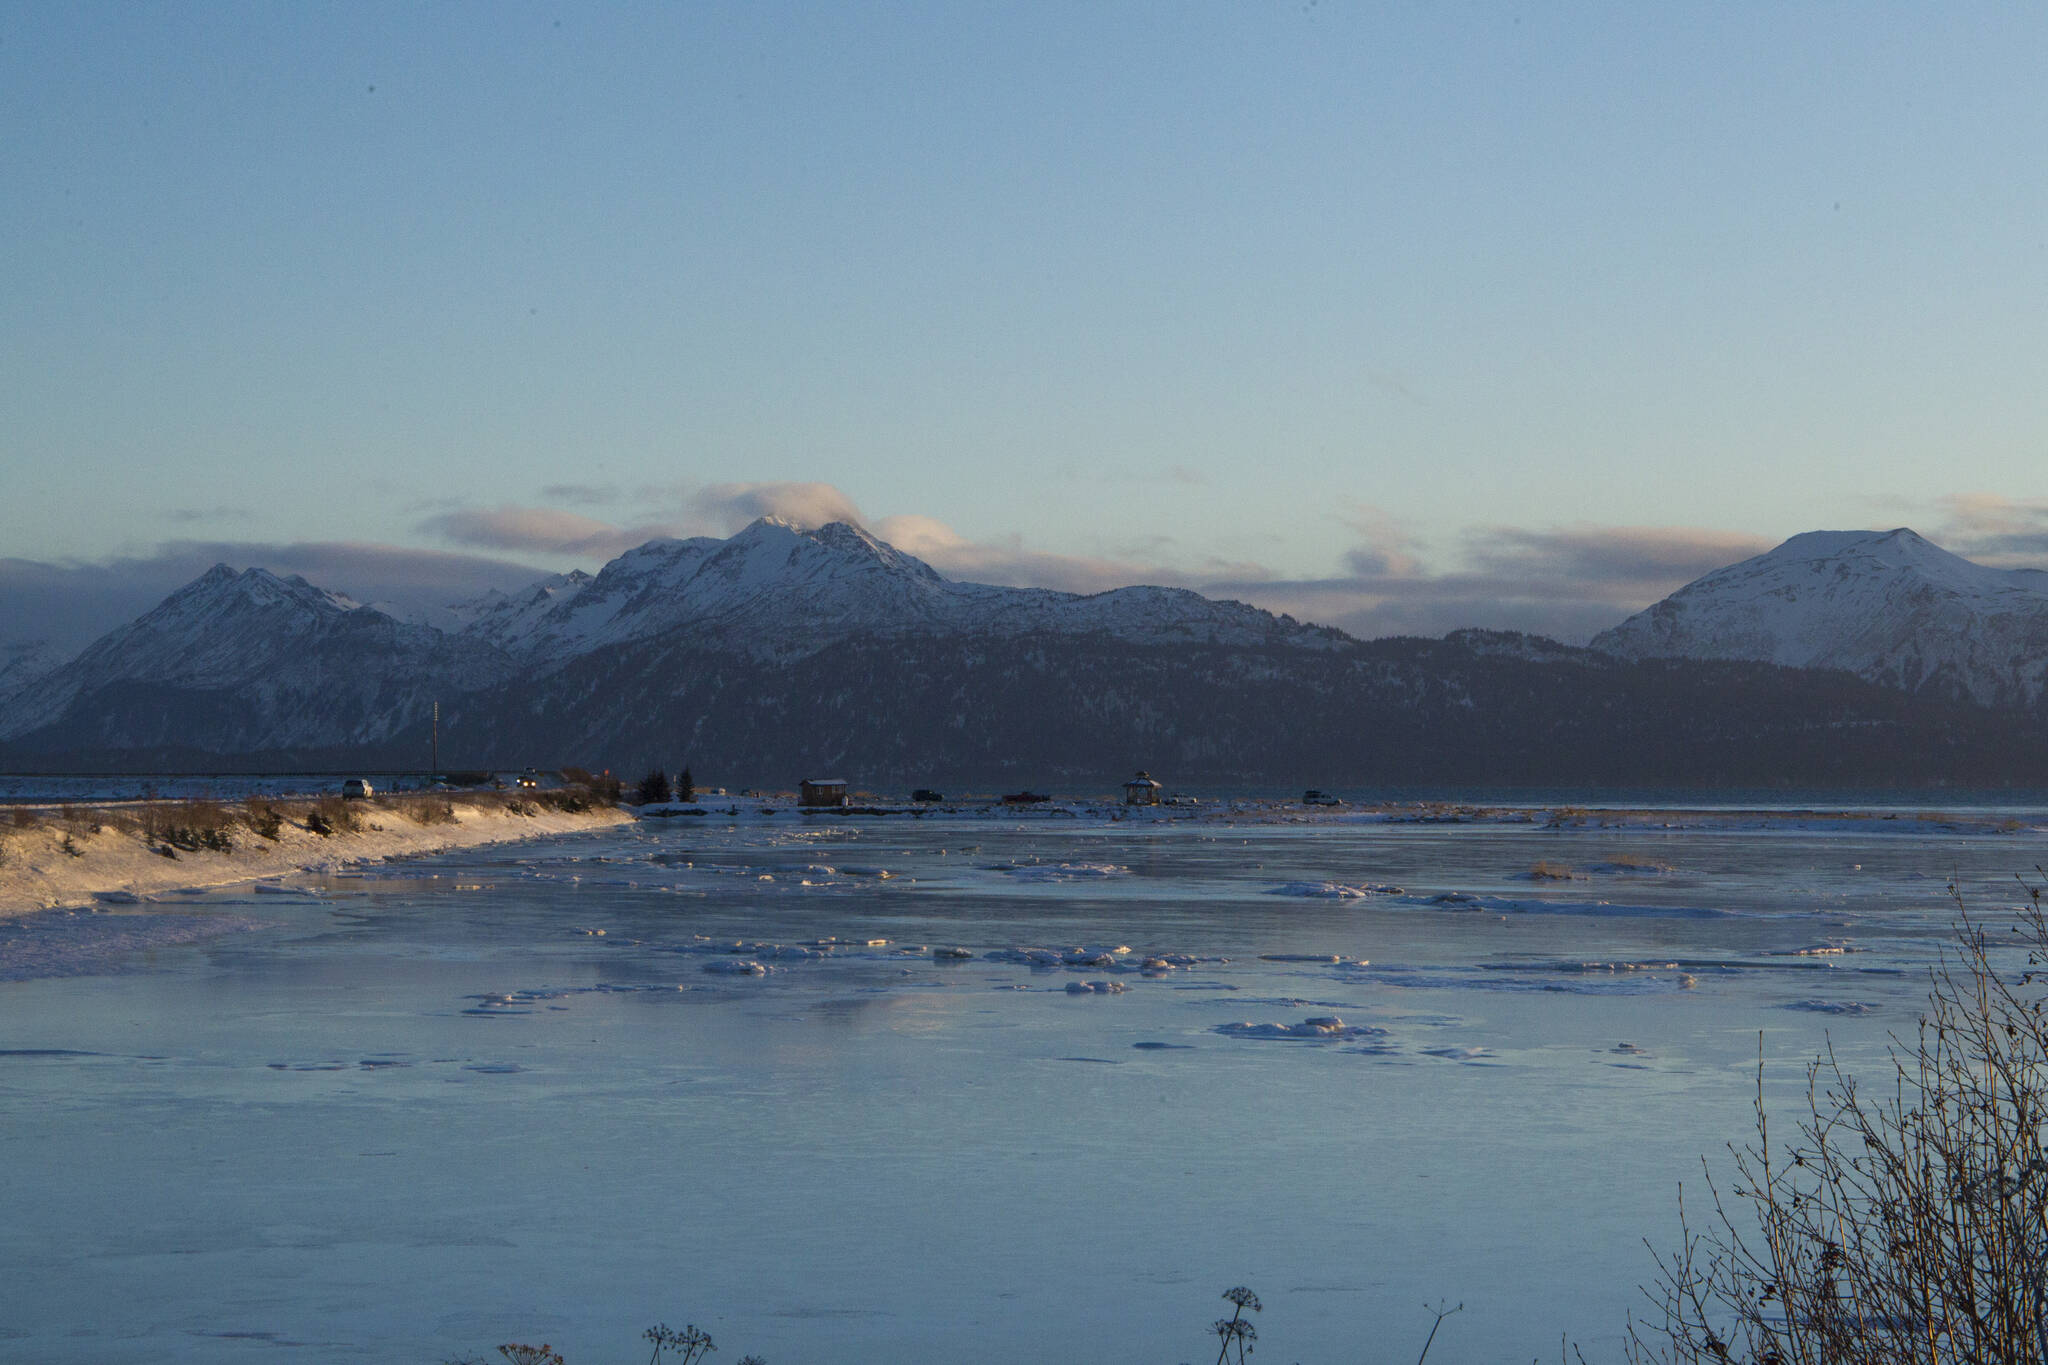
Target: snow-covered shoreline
(87,856)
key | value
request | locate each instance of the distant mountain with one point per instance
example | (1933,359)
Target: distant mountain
(782,651)
(23,664)
(777,591)
(240,662)
(507,620)
(1887,606)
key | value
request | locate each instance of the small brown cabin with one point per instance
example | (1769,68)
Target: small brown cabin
(822,791)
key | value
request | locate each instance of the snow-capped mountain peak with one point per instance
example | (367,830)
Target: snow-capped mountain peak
(220,589)
(273,662)
(779,589)
(506,619)
(284,643)
(1890,606)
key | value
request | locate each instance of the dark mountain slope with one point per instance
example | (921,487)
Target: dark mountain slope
(1011,710)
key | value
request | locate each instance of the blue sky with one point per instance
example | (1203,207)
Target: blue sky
(1401,317)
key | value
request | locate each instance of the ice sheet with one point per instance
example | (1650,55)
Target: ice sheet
(495,1096)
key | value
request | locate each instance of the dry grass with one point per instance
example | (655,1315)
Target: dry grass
(1902,1222)
(82,821)
(263,818)
(1547,870)
(332,815)
(425,810)
(174,827)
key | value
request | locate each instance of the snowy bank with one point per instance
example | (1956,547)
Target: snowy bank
(78,855)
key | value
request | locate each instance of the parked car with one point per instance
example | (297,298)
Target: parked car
(355,789)
(926,795)
(1312,797)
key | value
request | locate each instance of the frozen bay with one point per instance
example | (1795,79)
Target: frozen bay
(711,1070)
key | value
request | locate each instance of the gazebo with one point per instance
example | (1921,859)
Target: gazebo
(1141,790)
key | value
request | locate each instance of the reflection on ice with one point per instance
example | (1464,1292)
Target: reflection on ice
(56,943)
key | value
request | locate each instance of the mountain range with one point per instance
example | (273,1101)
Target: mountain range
(1858,658)
(1887,606)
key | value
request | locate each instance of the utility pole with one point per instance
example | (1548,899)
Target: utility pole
(436,773)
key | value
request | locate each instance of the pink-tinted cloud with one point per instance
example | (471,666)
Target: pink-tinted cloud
(1008,563)
(1633,562)
(730,506)
(2006,533)
(582,494)
(1568,584)
(540,530)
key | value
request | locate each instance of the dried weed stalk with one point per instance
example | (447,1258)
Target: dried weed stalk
(1905,1223)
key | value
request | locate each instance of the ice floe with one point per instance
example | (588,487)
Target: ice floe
(1088,955)
(1318,1028)
(1333,890)
(1062,872)
(1095,988)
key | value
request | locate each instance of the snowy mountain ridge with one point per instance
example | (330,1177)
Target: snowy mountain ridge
(1888,606)
(505,619)
(779,637)
(294,664)
(252,661)
(775,589)
(23,664)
